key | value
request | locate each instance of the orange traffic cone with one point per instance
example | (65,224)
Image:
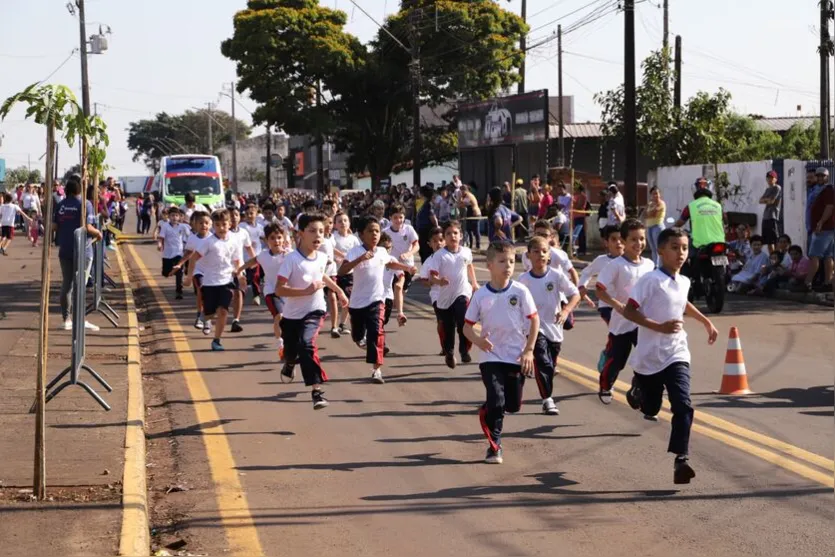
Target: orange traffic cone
(735,379)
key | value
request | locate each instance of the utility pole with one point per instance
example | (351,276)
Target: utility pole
(523,48)
(85,82)
(234,141)
(211,141)
(269,185)
(824,79)
(320,153)
(417,146)
(630,177)
(666,40)
(561,143)
(677,93)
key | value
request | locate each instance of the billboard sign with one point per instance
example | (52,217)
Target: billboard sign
(504,121)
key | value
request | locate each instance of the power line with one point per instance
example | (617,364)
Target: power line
(56,70)
(380,26)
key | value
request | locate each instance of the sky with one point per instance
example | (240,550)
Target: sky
(165,56)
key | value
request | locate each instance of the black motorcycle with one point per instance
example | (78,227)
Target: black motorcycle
(707,269)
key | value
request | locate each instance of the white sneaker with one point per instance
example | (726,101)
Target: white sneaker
(207,327)
(90,327)
(362,343)
(550,407)
(256,300)
(68,325)
(377,376)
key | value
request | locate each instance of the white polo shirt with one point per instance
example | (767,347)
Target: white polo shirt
(559,260)
(256,236)
(592,270)
(220,258)
(326,247)
(388,282)
(368,277)
(344,244)
(243,241)
(548,292)
(504,316)
(174,238)
(659,297)
(617,279)
(192,244)
(401,242)
(453,267)
(434,289)
(271,263)
(300,271)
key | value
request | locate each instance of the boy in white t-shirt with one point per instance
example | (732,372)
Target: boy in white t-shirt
(170,241)
(614,285)
(201,223)
(327,247)
(221,256)
(559,259)
(509,328)
(245,252)
(436,242)
(369,261)
(614,249)
(452,269)
(8,213)
(301,281)
(404,246)
(256,238)
(393,295)
(343,241)
(661,359)
(548,286)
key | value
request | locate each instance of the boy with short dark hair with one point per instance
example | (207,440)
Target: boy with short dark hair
(509,328)
(661,359)
(614,249)
(436,242)
(549,287)
(614,284)
(256,237)
(201,223)
(301,280)
(745,279)
(404,246)
(245,252)
(172,237)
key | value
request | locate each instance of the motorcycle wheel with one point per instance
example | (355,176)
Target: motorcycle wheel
(715,291)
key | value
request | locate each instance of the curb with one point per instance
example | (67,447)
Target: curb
(135,535)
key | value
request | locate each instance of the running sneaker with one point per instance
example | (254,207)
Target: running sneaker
(236,326)
(288,373)
(319,400)
(207,327)
(550,407)
(217,346)
(68,324)
(605,396)
(634,395)
(386,350)
(256,300)
(682,471)
(90,326)
(344,330)
(377,376)
(335,333)
(466,358)
(494,457)
(450,361)
(362,343)
(178,296)
(649,418)
(3,251)
(198,323)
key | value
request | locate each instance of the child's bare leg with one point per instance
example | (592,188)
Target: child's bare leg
(220,322)
(398,300)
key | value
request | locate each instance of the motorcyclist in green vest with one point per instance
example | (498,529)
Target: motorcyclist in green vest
(705,215)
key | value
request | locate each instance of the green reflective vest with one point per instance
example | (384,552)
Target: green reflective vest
(706,222)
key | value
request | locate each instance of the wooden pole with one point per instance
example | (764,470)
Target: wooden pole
(571,219)
(85,178)
(39,487)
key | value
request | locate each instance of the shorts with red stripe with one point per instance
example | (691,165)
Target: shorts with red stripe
(545,354)
(504,383)
(367,323)
(617,354)
(274,304)
(300,336)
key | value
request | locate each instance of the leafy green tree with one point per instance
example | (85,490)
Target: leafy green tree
(22,175)
(801,142)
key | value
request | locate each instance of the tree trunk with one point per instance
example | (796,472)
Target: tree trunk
(39,487)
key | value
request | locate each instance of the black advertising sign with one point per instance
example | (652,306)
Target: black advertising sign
(504,121)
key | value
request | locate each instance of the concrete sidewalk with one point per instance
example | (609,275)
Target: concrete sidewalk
(85,445)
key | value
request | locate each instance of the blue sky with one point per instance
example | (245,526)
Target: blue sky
(165,55)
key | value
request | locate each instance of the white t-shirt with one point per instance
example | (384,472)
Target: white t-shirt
(435,289)
(617,279)
(173,238)
(271,263)
(453,267)
(30,201)
(8,212)
(548,292)
(256,235)
(299,271)
(593,269)
(243,241)
(616,204)
(504,319)
(220,259)
(660,298)
(190,211)
(285,223)
(344,244)
(326,247)
(401,242)
(368,277)
(388,282)
(192,244)
(559,260)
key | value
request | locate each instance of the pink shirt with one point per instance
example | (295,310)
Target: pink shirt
(547,201)
(799,268)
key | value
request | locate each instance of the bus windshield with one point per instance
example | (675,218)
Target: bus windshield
(196,184)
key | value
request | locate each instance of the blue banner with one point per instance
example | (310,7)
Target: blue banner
(2,170)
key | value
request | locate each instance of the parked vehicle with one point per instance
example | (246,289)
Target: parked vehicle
(707,269)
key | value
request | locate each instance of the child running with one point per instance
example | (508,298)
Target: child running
(8,213)
(367,305)
(548,286)
(343,241)
(393,296)
(301,280)
(327,247)
(270,260)
(614,285)
(509,328)
(245,252)
(436,242)
(170,241)
(661,359)
(256,237)
(452,269)
(221,255)
(404,246)
(559,259)
(201,223)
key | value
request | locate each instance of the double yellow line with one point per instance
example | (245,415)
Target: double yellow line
(789,457)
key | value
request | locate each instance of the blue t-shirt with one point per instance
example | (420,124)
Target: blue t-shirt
(424,216)
(507,217)
(67,218)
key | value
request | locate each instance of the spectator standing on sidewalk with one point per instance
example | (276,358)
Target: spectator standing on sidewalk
(579,211)
(546,201)
(654,220)
(820,223)
(470,210)
(617,207)
(772,199)
(603,211)
(520,203)
(564,200)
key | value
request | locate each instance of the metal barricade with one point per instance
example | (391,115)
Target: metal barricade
(79,332)
(99,304)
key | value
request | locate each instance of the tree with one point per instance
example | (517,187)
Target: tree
(166,134)
(801,142)
(22,175)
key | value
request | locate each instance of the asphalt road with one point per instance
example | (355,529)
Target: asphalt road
(396,469)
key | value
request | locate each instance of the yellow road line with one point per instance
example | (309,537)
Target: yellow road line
(231,499)
(135,535)
(588,378)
